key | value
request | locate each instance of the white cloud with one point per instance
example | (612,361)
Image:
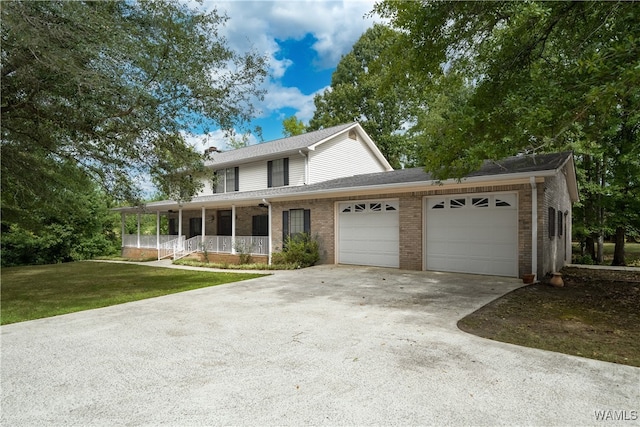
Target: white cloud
(256,25)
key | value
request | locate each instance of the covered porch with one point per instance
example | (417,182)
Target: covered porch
(209,230)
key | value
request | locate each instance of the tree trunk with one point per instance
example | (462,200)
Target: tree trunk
(618,252)
(600,257)
(590,246)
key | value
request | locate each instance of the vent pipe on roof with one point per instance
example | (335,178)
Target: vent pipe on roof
(211,150)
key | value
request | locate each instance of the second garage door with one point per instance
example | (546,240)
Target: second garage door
(473,234)
(368,233)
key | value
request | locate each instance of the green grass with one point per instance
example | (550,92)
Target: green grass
(631,250)
(35,292)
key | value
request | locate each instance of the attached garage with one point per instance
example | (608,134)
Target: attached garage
(368,233)
(475,233)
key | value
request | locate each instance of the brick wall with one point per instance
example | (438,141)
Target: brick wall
(554,252)
(139,253)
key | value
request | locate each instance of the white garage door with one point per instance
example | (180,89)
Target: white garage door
(473,234)
(368,233)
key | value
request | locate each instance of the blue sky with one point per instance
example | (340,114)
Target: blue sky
(303,41)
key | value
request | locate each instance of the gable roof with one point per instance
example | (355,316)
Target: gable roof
(284,146)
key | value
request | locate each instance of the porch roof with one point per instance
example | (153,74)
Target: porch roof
(402,180)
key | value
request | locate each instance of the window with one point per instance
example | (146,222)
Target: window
(226,180)
(260,225)
(552,222)
(560,223)
(295,222)
(457,203)
(173,226)
(278,172)
(480,202)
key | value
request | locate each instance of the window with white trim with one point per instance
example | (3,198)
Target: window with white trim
(227,180)
(278,172)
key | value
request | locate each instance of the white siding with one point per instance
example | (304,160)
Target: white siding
(341,157)
(296,170)
(206,190)
(253,176)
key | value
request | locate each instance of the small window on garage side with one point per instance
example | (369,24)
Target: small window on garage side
(560,223)
(552,222)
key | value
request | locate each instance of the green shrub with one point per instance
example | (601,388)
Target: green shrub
(301,250)
(584,259)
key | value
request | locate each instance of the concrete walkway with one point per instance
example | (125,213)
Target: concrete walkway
(330,345)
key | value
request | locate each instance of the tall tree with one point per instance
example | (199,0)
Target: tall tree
(108,88)
(291,126)
(362,91)
(527,77)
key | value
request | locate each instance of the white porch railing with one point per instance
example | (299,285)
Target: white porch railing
(187,247)
(146,241)
(178,247)
(254,245)
(171,247)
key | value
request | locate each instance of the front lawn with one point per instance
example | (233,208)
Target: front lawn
(594,315)
(34,292)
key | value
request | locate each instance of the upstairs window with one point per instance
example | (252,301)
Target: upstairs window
(278,173)
(227,180)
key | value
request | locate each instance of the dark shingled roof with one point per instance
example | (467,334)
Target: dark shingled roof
(510,165)
(278,146)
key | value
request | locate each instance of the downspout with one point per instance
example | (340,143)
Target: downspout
(534,226)
(306,167)
(269,230)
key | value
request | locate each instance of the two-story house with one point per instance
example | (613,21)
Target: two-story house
(509,218)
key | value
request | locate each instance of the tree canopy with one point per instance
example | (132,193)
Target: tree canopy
(108,90)
(500,78)
(362,90)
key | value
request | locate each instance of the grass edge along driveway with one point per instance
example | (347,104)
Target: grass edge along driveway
(35,292)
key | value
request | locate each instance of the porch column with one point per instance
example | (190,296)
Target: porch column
(179,223)
(204,223)
(269,232)
(158,230)
(233,229)
(138,229)
(122,230)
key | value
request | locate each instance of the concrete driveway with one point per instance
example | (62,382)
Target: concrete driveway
(327,345)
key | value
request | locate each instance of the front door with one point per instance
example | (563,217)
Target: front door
(195,227)
(224,223)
